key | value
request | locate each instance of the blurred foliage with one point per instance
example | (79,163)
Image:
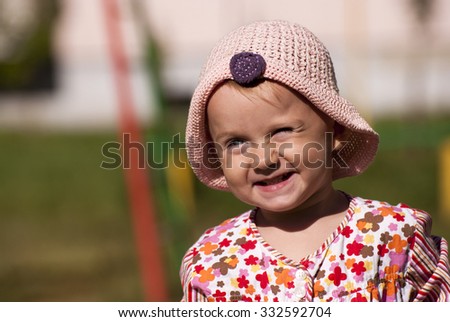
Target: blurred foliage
(66,234)
(31,64)
(173,187)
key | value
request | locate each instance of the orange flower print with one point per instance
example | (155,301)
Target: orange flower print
(283,277)
(391,271)
(397,243)
(386,211)
(371,288)
(208,248)
(232,261)
(349,262)
(206,275)
(318,289)
(391,276)
(250,290)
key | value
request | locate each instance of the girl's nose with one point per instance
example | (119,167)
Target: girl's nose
(267,156)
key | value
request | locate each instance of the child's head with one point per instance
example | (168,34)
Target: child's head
(266,98)
(270,140)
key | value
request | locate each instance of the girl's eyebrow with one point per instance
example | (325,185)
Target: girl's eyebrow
(294,123)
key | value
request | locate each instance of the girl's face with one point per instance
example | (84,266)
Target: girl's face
(273,145)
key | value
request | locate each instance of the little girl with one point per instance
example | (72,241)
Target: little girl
(267,123)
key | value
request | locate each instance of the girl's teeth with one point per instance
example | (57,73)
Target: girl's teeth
(275,180)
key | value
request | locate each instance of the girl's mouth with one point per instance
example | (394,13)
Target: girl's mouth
(275,180)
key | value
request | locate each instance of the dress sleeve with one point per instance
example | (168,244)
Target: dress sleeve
(428,270)
(190,293)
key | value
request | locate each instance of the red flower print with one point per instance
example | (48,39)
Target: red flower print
(306,263)
(411,240)
(263,280)
(382,249)
(399,217)
(337,276)
(258,298)
(243,282)
(220,296)
(225,243)
(347,231)
(358,268)
(359,298)
(199,268)
(251,244)
(355,290)
(249,231)
(246,298)
(251,260)
(354,248)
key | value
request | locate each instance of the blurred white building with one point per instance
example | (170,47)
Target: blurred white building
(386,62)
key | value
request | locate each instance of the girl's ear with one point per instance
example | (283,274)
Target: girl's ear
(341,134)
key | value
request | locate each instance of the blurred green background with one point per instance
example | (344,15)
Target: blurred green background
(66,231)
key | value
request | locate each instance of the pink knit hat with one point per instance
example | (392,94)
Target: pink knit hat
(289,54)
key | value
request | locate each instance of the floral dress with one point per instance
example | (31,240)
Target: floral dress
(378,253)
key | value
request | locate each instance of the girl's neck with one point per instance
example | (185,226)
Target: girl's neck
(330,203)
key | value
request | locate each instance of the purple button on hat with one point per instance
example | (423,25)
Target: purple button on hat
(246,67)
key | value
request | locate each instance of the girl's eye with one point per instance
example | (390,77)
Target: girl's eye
(234,143)
(282,130)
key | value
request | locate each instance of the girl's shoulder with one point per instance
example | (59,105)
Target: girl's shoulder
(384,208)
(376,213)
(228,230)
(227,227)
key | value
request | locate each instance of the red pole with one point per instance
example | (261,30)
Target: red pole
(139,191)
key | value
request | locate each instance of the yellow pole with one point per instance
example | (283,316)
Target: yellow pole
(180,182)
(445,179)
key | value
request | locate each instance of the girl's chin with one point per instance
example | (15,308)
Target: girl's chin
(283,203)
(274,207)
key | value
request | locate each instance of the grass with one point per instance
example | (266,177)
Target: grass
(65,231)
